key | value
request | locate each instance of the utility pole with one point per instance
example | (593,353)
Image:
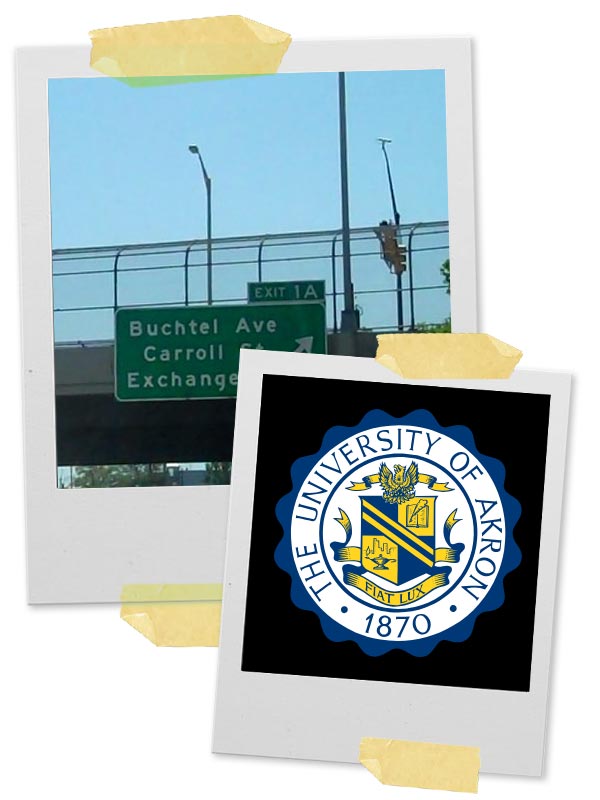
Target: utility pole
(349,322)
(400,309)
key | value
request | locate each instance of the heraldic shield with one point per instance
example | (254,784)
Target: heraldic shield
(397,541)
(400,542)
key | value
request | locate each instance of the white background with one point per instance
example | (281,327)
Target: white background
(91,709)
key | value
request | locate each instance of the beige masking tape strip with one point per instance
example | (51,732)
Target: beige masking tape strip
(174,615)
(419,356)
(421,765)
(214,46)
(446,355)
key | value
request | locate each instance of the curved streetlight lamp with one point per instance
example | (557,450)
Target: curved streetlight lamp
(208,184)
(400,308)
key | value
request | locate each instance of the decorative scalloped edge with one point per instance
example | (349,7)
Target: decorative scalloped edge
(463,629)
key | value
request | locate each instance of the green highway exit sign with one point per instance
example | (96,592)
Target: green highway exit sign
(180,353)
(286,292)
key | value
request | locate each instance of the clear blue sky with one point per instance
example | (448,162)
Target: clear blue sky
(121,171)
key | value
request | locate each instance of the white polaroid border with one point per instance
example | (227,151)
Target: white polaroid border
(84,545)
(294,716)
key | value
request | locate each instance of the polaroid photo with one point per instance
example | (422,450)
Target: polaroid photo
(163,228)
(391,561)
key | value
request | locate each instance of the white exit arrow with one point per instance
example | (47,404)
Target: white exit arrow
(305,344)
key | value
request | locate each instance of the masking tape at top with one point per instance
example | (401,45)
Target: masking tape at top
(447,355)
(188,50)
(421,764)
(174,615)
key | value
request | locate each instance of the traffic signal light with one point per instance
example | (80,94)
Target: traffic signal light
(392,251)
(398,262)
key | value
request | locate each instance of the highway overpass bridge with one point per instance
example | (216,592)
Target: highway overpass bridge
(90,284)
(93,427)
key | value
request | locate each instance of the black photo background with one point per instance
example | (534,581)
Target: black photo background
(295,414)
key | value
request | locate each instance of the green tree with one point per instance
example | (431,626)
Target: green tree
(218,472)
(118,475)
(439,327)
(445,273)
(436,327)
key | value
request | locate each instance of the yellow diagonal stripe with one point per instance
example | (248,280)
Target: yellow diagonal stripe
(399,527)
(397,539)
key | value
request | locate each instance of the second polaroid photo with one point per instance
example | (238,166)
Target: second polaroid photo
(391,561)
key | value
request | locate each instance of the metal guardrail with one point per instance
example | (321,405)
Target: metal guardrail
(90,283)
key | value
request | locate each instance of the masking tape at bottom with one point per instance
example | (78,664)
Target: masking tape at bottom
(421,764)
(174,615)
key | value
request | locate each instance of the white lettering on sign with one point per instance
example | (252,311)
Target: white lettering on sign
(256,326)
(269,292)
(214,352)
(175,328)
(174,380)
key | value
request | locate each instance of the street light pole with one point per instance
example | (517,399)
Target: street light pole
(349,318)
(208,184)
(400,309)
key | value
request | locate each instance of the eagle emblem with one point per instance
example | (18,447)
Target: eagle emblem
(399,485)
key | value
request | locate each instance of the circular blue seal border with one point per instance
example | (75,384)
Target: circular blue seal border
(332,629)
